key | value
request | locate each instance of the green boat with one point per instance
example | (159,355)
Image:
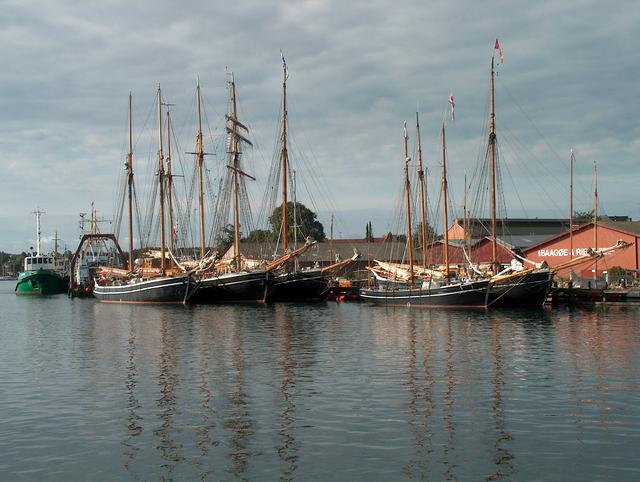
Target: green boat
(41,278)
(43,274)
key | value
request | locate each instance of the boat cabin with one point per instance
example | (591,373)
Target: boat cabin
(33,263)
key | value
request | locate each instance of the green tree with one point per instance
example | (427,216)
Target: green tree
(431,235)
(616,271)
(225,240)
(259,236)
(583,217)
(308,224)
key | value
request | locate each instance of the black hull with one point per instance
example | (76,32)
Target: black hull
(530,289)
(242,287)
(465,295)
(309,285)
(171,290)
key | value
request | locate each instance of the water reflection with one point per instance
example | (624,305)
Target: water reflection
(239,421)
(502,457)
(449,402)
(168,383)
(420,404)
(205,428)
(134,427)
(287,450)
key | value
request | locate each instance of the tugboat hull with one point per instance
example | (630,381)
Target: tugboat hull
(41,282)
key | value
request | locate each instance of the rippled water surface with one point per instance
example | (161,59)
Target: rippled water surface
(92,391)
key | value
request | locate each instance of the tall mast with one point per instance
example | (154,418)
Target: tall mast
(55,244)
(492,151)
(235,173)
(571,161)
(464,214)
(444,204)
(169,177)
(200,172)
(161,185)
(595,216)
(407,189)
(284,156)
(130,184)
(423,195)
(295,225)
(38,213)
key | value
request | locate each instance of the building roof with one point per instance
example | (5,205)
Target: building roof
(518,232)
(627,227)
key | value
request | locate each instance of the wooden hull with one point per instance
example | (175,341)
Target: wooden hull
(309,285)
(244,287)
(530,289)
(465,295)
(166,290)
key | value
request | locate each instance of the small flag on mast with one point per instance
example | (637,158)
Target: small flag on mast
(453,105)
(499,49)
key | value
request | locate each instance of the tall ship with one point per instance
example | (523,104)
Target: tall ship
(231,278)
(289,281)
(419,286)
(43,274)
(235,279)
(157,277)
(515,286)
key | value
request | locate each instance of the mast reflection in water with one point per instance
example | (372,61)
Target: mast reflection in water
(316,392)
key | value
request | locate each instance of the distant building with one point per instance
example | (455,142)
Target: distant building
(517,233)
(555,250)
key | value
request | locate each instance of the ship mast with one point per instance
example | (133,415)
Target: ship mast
(55,244)
(169,176)
(572,159)
(492,151)
(407,189)
(284,156)
(161,180)
(595,217)
(444,205)
(200,172)
(423,195)
(235,168)
(130,184)
(38,213)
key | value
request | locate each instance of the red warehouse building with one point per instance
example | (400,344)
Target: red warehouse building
(555,250)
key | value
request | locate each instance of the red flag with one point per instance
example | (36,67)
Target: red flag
(499,49)
(452,104)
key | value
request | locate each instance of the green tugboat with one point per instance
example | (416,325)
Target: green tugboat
(43,274)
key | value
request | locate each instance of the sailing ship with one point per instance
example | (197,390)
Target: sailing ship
(43,274)
(236,279)
(418,290)
(517,287)
(290,283)
(156,278)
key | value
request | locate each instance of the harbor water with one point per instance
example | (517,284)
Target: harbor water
(327,391)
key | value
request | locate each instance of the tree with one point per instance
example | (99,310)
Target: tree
(225,240)
(368,236)
(259,236)
(306,221)
(431,234)
(583,217)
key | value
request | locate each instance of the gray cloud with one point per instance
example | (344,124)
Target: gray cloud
(357,71)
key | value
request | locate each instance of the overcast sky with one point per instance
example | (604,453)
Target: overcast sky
(357,71)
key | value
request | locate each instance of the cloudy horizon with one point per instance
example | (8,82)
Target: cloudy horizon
(357,72)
